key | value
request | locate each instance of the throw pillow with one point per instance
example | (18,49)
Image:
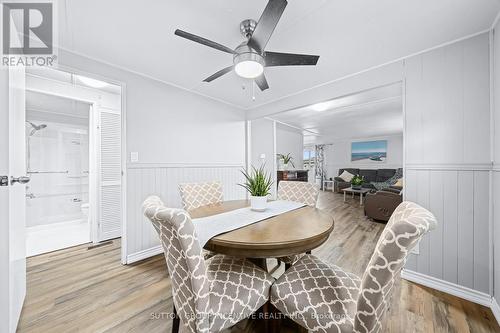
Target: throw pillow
(346,176)
(399,182)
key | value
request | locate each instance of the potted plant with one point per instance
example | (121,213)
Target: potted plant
(258,183)
(286,159)
(357,182)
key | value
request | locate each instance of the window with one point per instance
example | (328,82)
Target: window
(309,158)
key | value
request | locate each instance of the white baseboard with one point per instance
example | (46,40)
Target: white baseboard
(144,254)
(495,308)
(449,288)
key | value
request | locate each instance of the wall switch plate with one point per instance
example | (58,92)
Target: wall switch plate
(134,156)
(262,156)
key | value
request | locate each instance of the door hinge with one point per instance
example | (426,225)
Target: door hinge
(4,181)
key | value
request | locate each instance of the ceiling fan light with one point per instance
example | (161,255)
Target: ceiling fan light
(249,69)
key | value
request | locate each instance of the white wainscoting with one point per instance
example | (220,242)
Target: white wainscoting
(449,288)
(458,250)
(163,180)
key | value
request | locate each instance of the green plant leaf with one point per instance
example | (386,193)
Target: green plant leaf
(257,182)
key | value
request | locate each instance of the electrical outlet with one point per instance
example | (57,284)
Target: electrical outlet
(134,156)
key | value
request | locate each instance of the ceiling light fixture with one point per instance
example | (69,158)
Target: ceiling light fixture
(249,64)
(92,82)
(249,69)
(323,106)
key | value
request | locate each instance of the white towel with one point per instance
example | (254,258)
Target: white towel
(211,226)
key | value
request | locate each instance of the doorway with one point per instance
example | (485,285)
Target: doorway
(74,160)
(57,162)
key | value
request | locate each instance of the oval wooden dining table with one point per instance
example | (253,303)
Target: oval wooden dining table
(294,232)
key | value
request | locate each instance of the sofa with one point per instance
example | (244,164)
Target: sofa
(379,206)
(371,176)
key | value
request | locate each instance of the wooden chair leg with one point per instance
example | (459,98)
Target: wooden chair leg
(287,266)
(175,322)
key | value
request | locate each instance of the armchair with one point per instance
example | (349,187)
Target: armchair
(380,205)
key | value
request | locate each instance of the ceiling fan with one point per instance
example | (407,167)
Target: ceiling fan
(249,58)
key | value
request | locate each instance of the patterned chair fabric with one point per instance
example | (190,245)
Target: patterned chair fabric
(211,295)
(324,298)
(318,296)
(303,192)
(194,195)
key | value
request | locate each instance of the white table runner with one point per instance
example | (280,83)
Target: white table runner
(211,226)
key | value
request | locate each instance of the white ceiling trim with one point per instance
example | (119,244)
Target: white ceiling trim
(150,77)
(495,22)
(359,138)
(374,67)
(291,126)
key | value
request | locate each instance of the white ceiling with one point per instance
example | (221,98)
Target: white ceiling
(377,112)
(349,35)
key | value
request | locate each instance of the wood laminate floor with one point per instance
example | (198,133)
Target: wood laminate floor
(80,290)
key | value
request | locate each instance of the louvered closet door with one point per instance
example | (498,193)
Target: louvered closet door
(110,189)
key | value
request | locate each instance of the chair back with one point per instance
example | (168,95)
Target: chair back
(185,263)
(405,229)
(194,195)
(302,192)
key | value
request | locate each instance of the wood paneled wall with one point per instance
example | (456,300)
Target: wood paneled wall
(448,160)
(457,251)
(163,180)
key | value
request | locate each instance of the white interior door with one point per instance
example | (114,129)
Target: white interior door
(13,200)
(109,191)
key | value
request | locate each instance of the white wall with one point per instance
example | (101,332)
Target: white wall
(290,140)
(180,136)
(262,142)
(338,155)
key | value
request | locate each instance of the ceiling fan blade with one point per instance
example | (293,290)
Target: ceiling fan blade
(218,74)
(266,25)
(203,41)
(262,82)
(289,59)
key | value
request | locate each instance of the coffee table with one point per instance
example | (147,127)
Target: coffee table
(361,191)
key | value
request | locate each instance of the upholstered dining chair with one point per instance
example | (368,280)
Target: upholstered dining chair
(194,195)
(210,295)
(325,298)
(302,192)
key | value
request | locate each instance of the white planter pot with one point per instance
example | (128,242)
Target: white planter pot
(258,204)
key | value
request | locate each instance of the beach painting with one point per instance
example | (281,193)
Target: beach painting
(369,151)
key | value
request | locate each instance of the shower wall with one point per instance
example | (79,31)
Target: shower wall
(59,170)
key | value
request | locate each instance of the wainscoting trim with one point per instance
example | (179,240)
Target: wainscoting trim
(144,254)
(449,288)
(182,165)
(495,308)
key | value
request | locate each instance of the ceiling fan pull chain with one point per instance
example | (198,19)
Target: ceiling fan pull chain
(253,90)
